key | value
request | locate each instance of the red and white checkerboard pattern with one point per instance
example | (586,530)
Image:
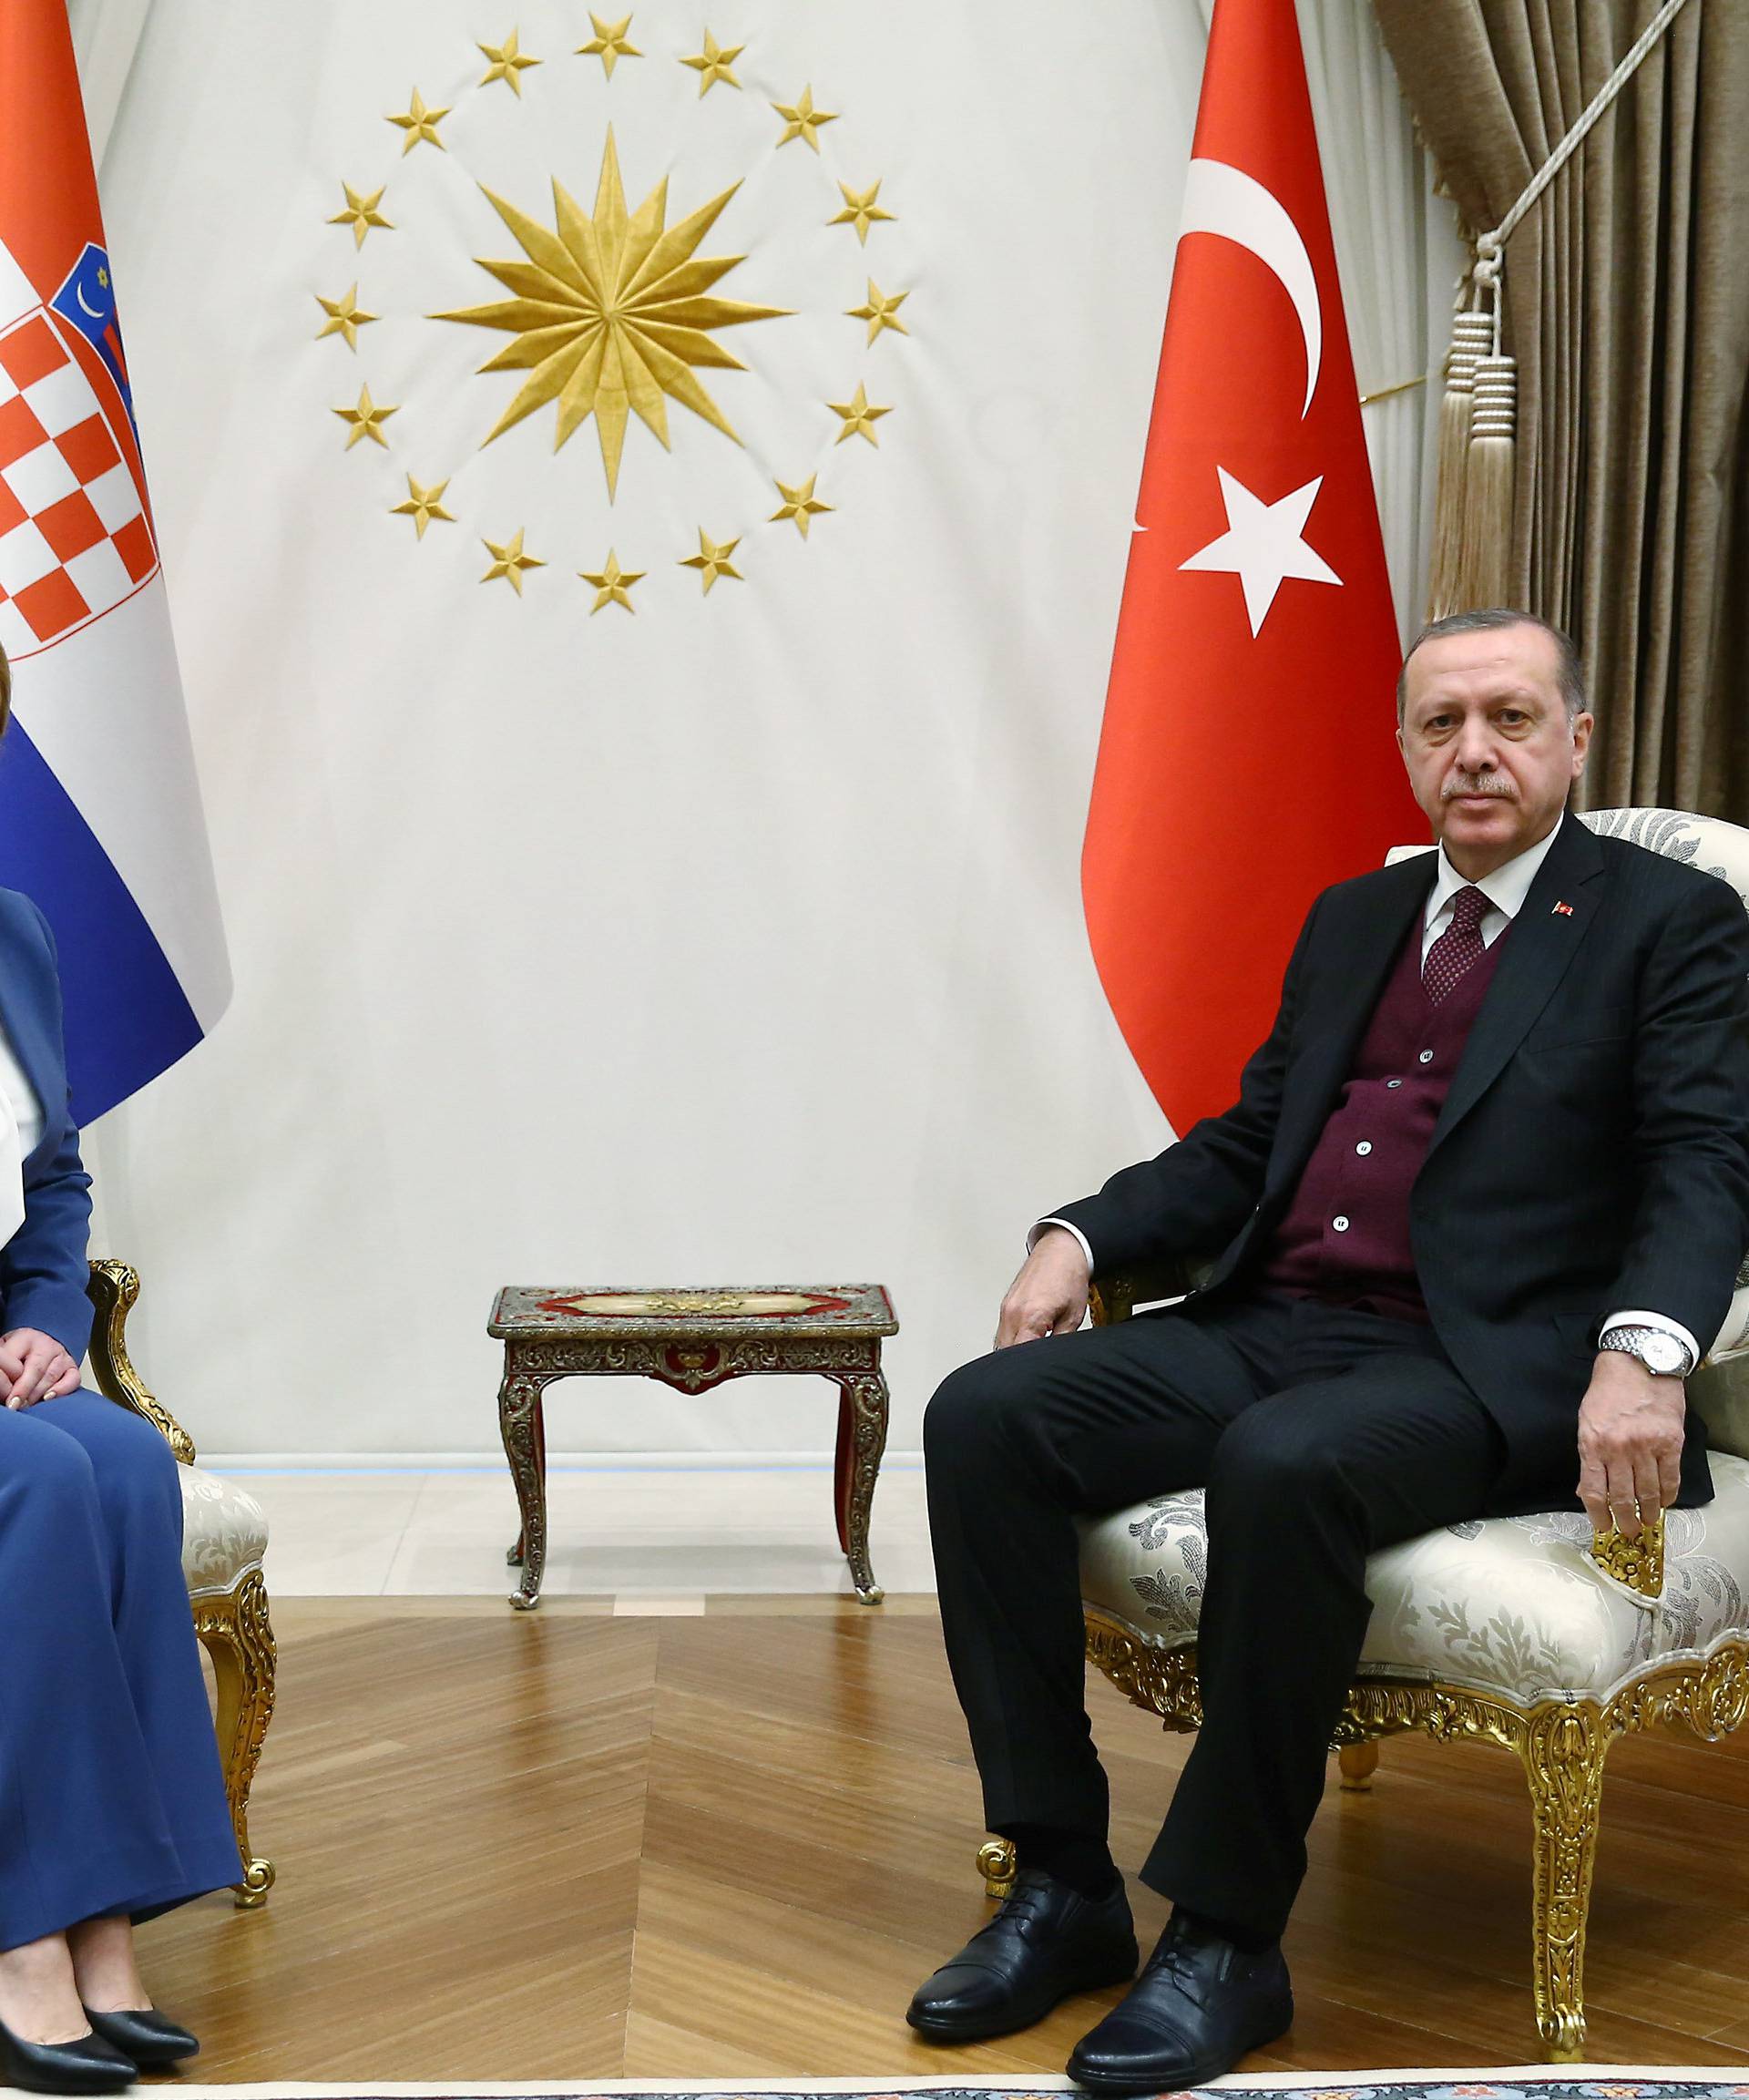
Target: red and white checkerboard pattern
(73,538)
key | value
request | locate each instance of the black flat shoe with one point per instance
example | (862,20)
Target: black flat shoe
(1199,2006)
(1045,1943)
(148,2038)
(86,2065)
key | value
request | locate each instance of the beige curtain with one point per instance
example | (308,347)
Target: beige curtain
(1627,305)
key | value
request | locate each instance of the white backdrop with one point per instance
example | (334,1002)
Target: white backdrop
(737,940)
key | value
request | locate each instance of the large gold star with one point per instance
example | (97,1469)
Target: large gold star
(422,505)
(713,64)
(611,43)
(612,584)
(367,420)
(712,559)
(881,312)
(611,314)
(860,417)
(509,561)
(509,61)
(418,122)
(799,503)
(803,120)
(860,210)
(361,213)
(345,317)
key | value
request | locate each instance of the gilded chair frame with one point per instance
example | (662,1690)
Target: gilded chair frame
(1561,1743)
(232,1626)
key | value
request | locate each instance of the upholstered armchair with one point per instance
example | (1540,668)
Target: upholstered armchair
(224,1536)
(1526,1632)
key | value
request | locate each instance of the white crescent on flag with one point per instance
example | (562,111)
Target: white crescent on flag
(1228,202)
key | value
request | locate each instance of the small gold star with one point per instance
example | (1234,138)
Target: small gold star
(860,209)
(712,561)
(367,420)
(859,417)
(611,43)
(881,312)
(103,278)
(509,561)
(803,119)
(713,64)
(345,317)
(361,213)
(613,584)
(509,61)
(422,505)
(418,122)
(799,503)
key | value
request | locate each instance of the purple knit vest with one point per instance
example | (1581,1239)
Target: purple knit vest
(1345,1237)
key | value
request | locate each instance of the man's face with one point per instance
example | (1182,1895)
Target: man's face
(1491,751)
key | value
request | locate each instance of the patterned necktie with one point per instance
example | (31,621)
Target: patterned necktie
(1457,950)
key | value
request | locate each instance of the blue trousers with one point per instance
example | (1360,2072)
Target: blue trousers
(111,1795)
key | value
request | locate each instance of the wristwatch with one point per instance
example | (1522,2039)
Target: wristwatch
(1662,1355)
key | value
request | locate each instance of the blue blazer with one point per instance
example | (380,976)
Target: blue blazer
(42,1268)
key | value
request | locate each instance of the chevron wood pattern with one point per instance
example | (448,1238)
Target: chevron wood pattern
(577,1844)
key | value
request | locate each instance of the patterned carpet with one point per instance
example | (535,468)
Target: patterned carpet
(1529,2081)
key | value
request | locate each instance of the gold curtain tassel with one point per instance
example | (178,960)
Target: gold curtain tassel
(1484,569)
(1472,337)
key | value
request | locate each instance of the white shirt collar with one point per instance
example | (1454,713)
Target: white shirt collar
(1505,889)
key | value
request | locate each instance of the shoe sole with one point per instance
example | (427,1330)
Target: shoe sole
(997,2024)
(1116,2085)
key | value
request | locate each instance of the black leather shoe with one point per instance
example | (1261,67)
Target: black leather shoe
(1199,2006)
(146,2037)
(86,2065)
(1045,1943)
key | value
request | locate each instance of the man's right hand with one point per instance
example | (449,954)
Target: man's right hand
(1049,1295)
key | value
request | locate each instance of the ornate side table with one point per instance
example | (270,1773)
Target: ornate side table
(694,1340)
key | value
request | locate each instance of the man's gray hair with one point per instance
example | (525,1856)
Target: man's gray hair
(1569,673)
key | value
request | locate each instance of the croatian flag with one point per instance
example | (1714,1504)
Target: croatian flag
(100,818)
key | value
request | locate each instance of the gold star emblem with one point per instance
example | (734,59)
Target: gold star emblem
(367,420)
(422,505)
(860,210)
(860,417)
(611,43)
(103,278)
(361,213)
(799,503)
(345,317)
(509,561)
(712,559)
(418,122)
(803,120)
(611,314)
(880,312)
(612,584)
(713,64)
(509,61)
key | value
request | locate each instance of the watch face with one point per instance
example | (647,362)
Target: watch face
(1663,1353)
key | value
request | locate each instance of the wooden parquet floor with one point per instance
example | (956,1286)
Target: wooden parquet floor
(572,1845)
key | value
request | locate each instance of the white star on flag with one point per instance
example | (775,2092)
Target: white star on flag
(1262,544)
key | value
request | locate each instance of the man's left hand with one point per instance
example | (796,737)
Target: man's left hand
(1629,1443)
(34,1367)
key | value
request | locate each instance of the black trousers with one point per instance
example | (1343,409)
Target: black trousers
(1320,1435)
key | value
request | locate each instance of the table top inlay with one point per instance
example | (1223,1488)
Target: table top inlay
(529,1311)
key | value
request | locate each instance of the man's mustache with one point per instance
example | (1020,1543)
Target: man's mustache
(1459,786)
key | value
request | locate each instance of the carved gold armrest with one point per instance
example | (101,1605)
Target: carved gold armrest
(1637,1564)
(112,1289)
(1115,1296)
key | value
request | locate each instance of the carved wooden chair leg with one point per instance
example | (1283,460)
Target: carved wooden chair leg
(1357,1763)
(236,1634)
(1563,1750)
(996,1862)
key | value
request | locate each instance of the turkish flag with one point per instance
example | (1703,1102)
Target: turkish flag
(1246,758)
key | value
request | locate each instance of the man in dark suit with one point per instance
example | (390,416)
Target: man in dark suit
(1476,1213)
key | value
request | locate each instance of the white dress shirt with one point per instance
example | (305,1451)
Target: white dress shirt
(21,1125)
(1506,890)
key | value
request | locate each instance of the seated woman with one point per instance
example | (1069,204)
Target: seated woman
(112,1804)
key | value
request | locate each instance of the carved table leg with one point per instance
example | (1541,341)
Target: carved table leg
(519,1424)
(863,1419)
(1563,1751)
(1358,1761)
(997,1863)
(519,1552)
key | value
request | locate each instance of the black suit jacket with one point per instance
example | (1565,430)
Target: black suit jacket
(1593,1154)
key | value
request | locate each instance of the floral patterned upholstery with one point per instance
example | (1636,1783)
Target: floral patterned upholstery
(224,1533)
